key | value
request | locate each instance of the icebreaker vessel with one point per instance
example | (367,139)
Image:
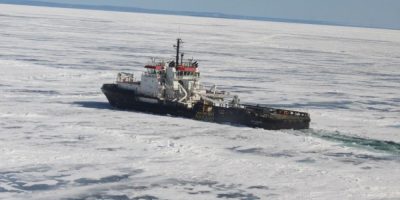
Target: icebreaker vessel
(174,88)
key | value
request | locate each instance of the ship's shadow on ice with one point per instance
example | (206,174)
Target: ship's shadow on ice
(93,104)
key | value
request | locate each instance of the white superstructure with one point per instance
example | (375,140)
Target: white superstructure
(176,81)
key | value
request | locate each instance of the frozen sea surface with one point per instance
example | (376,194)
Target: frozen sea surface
(59,138)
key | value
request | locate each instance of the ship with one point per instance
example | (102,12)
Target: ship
(173,88)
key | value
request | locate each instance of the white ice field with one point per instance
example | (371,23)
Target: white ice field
(59,138)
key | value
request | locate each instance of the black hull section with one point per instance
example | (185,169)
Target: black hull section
(252,116)
(128,100)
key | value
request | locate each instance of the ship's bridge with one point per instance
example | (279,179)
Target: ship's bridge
(188,70)
(151,69)
(155,68)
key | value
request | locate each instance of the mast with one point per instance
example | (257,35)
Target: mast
(178,45)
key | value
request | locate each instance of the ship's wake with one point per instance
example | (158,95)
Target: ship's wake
(355,141)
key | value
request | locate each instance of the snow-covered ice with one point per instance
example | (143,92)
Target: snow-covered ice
(60,139)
